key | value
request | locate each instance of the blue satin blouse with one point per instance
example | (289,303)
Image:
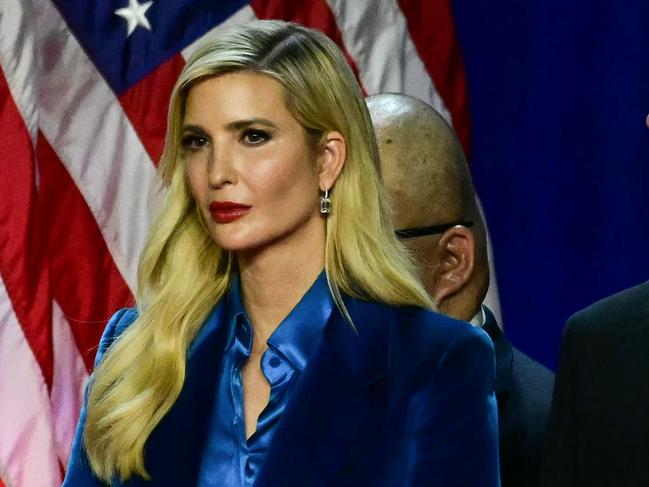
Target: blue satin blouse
(229,458)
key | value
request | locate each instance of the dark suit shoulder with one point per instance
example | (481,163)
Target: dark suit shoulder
(597,433)
(613,314)
(607,340)
(526,409)
(535,380)
(523,417)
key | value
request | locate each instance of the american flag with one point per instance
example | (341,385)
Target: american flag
(84,88)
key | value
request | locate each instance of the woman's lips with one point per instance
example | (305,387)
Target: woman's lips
(227,211)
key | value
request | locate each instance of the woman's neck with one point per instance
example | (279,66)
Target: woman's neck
(274,279)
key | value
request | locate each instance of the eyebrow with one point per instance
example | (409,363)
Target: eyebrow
(240,124)
(196,129)
(236,125)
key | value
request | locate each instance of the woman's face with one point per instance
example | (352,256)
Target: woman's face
(247,161)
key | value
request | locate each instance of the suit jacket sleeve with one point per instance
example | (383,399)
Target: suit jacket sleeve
(78,473)
(455,418)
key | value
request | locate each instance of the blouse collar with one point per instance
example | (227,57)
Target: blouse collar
(298,335)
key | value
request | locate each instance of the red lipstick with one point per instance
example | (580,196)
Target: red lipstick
(227,211)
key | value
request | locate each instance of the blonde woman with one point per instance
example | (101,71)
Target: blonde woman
(281,337)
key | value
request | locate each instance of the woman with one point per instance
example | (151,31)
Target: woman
(281,336)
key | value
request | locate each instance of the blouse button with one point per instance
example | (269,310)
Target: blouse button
(249,470)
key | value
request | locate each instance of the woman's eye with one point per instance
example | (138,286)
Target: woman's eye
(193,142)
(254,137)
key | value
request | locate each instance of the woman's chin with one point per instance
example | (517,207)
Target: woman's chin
(234,246)
(237,243)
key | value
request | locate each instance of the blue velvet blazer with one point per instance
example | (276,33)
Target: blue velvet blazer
(405,400)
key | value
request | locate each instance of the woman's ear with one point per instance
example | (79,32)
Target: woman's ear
(333,155)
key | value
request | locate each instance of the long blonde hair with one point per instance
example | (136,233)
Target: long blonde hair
(183,273)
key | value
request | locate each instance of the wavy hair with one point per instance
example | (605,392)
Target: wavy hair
(183,273)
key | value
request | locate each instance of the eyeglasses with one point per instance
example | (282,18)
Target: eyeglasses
(432,230)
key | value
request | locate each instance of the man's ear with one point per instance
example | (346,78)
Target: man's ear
(332,159)
(456,251)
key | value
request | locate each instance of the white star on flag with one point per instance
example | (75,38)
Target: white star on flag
(135,15)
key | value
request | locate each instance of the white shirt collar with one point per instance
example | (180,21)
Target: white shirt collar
(479,319)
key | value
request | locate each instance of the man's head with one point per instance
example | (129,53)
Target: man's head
(429,184)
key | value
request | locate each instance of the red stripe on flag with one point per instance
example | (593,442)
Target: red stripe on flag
(432,31)
(147,102)
(22,258)
(310,13)
(85,281)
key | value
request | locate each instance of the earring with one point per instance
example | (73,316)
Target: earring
(325,203)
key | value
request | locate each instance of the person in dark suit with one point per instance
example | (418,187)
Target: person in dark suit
(435,210)
(281,336)
(598,434)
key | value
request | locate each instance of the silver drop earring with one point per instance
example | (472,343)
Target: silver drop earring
(325,203)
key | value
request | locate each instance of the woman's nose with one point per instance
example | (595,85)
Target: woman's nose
(220,166)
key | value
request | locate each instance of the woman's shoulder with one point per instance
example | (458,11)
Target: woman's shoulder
(418,338)
(433,352)
(119,322)
(420,348)
(432,336)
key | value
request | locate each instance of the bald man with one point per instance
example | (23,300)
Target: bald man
(435,209)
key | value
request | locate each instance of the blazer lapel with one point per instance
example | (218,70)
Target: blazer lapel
(174,450)
(340,391)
